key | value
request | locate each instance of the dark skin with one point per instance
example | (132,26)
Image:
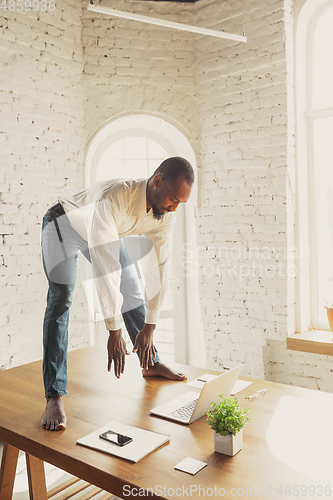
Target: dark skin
(161,197)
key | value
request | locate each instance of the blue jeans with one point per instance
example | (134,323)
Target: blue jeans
(60,267)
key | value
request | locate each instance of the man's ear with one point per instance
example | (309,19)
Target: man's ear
(157,181)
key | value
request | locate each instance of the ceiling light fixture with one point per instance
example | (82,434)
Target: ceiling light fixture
(164,23)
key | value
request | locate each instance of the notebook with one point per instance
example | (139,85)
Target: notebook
(192,405)
(143,441)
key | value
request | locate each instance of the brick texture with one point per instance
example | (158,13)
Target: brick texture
(134,67)
(246,217)
(64,74)
(245,138)
(41,136)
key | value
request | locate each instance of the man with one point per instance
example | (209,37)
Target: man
(93,221)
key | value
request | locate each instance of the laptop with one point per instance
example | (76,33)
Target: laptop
(192,405)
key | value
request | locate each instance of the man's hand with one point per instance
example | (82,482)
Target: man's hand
(144,343)
(116,352)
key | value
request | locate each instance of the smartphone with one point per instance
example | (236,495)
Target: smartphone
(116,438)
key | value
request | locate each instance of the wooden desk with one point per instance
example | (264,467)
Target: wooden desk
(288,442)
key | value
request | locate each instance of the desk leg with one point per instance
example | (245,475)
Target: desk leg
(8,471)
(36,478)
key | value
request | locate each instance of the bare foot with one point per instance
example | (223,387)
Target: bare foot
(161,370)
(54,418)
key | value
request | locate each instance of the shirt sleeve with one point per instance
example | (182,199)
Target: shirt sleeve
(104,245)
(154,267)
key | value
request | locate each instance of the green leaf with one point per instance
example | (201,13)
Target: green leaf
(226,417)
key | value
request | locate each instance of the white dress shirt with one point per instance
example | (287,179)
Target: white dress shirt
(110,210)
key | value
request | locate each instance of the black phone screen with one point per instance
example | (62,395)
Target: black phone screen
(116,438)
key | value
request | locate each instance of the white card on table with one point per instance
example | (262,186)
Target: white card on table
(190,465)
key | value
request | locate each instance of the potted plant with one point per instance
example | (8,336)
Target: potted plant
(227,419)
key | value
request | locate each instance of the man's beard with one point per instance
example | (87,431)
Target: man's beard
(156,213)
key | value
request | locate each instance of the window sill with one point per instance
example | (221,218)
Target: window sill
(314,341)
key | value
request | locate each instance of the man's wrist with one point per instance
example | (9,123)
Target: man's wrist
(149,326)
(115,332)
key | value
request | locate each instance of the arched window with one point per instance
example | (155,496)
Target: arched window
(133,147)
(130,157)
(314,98)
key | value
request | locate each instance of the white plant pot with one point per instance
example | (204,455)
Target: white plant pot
(228,445)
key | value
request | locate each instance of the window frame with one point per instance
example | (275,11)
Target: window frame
(176,143)
(134,132)
(306,310)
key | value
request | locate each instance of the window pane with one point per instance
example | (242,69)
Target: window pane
(323,146)
(155,150)
(323,62)
(323,184)
(110,169)
(115,151)
(135,169)
(135,148)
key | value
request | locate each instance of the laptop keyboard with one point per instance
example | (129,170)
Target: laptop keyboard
(184,412)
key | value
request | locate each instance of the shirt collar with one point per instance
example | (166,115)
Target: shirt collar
(140,203)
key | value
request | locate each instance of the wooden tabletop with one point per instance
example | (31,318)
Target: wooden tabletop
(287,445)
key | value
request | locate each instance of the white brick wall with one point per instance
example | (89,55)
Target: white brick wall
(133,67)
(245,99)
(65,73)
(243,105)
(41,150)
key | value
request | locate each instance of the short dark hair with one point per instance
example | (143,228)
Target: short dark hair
(173,168)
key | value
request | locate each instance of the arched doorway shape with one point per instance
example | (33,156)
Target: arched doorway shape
(185,291)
